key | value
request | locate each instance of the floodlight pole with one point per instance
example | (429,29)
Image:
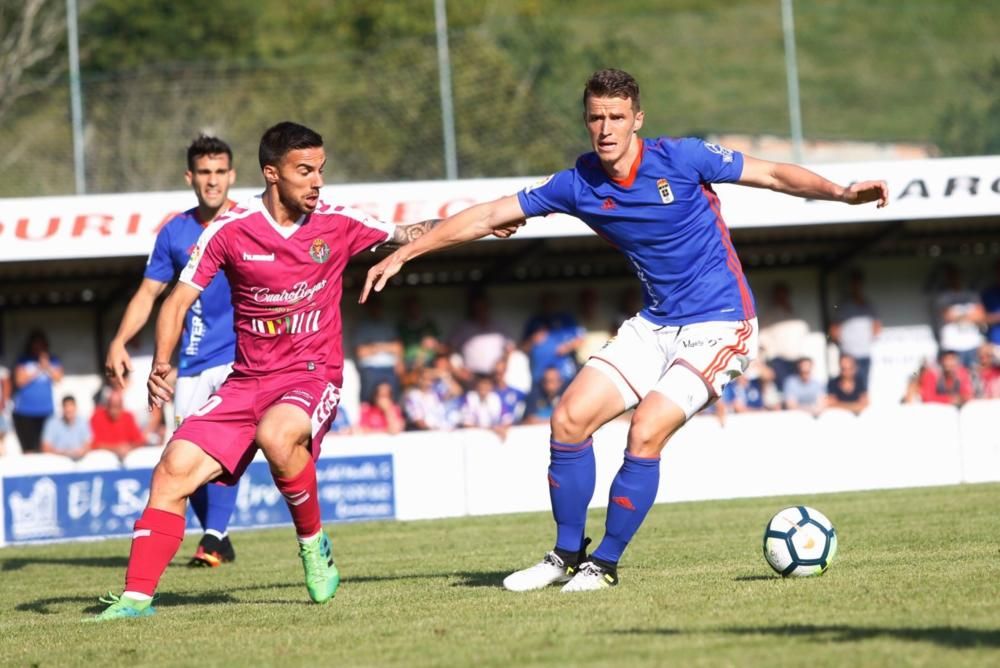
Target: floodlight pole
(444,75)
(76,97)
(792,75)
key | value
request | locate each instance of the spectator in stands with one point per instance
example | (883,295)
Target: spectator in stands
(551,338)
(512,400)
(68,434)
(419,334)
(543,398)
(480,341)
(378,351)
(849,390)
(596,328)
(991,306)
(754,390)
(481,407)
(802,390)
(35,374)
(425,410)
(986,374)
(381,414)
(782,333)
(960,317)
(856,325)
(5,395)
(948,383)
(115,428)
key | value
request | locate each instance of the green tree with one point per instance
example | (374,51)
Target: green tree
(972,126)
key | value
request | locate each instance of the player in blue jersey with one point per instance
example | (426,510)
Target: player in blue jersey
(209,340)
(653,200)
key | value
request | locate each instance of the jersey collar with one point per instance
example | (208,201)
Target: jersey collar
(633,170)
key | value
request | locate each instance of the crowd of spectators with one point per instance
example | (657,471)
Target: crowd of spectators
(415,376)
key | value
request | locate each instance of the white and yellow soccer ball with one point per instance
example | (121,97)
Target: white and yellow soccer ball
(800,541)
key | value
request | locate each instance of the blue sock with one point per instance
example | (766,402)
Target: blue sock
(199,504)
(572,475)
(632,494)
(221,502)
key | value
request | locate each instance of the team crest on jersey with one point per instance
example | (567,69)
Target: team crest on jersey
(666,194)
(319,251)
(726,153)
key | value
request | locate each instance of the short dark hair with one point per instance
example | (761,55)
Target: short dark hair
(286,136)
(205,145)
(69,397)
(612,83)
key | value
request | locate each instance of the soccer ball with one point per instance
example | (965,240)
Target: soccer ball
(799,542)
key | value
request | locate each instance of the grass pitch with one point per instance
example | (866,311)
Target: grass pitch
(916,582)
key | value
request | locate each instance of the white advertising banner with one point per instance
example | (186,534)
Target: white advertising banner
(95,226)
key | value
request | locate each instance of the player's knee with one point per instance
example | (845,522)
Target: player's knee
(569,424)
(173,478)
(649,431)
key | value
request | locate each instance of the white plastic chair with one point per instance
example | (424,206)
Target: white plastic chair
(99,460)
(35,464)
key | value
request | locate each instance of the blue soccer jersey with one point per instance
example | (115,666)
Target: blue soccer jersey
(666,219)
(209,338)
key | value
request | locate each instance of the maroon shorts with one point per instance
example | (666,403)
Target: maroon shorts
(225,426)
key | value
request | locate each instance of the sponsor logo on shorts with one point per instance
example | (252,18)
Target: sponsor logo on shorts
(319,251)
(710,342)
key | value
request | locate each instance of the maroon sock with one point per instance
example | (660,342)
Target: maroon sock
(302,499)
(155,541)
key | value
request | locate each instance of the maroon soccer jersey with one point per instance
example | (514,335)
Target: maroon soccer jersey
(285,281)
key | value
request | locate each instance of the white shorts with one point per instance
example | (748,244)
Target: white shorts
(690,364)
(192,392)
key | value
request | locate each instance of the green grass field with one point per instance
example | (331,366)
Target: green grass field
(916,582)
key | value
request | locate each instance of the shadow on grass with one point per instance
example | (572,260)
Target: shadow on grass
(753,578)
(42,606)
(955,637)
(465,578)
(18,563)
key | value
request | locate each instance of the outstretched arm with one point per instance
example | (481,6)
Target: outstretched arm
(168,330)
(791,179)
(498,217)
(118,361)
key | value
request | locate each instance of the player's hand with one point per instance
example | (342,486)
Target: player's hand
(380,274)
(158,385)
(867,191)
(508,230)
(117,365)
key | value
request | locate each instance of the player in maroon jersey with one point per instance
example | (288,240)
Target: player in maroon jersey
(284,254)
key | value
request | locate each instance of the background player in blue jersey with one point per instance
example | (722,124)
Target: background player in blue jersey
(653,200)
(209,342)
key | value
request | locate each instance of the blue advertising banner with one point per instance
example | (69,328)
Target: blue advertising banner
(107,503)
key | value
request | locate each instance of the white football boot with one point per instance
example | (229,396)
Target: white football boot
(591,577)
(550,570)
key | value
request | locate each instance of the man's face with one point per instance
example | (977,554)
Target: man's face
(69,410)
(211,178)
(299,177)
(115,404)
(551,382)
(848,367)
(611,122)
(805,368)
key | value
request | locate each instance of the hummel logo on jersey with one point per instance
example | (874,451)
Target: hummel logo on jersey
(624,502)
(666,194)
(250,257)
(608,204)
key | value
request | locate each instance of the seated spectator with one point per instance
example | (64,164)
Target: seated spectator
(753,391)
(986,373)
(803,391)
(948,383)
(480,341)
(856,326)
(512,400)
(426,406)
(543,399)
(378,352)
(782,333)
(849,390)
(114,428)
(381,414)
(68,434)
(342,424)
(5,394)
(482,407)
(959,316)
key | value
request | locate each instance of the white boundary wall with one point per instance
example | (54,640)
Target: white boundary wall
(473,472)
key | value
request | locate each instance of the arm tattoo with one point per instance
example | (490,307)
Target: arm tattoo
(410,232)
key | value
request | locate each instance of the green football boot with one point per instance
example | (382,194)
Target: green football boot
(121,607)
(322,576)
